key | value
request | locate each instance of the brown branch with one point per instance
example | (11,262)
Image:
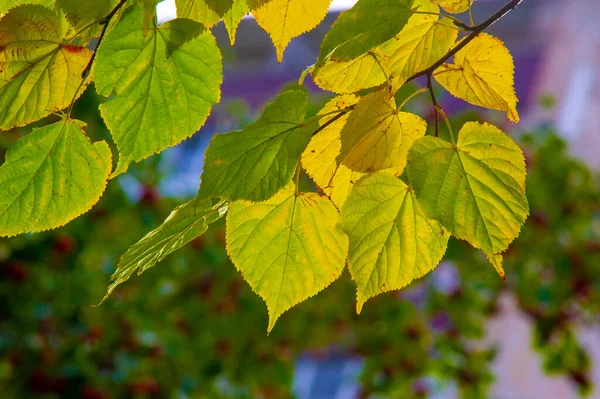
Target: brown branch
(105,22)
(435,105)
(475,31)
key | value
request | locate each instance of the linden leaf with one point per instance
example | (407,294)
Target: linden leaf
(163,84)
(50,177)
(39,74)
(419,45)
(288,248)
(378,136)
(207,12)
(319,158)
(184,224)
(391,241)
(455,6)
(482,74)
(286,19)
(255,163)
(476,189)
(363,27)
(234,16)
(81,14)
(8,4)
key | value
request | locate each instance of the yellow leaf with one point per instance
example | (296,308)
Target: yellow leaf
(39,73)
(455,6)
(482,74)
(288,248)
(378,136)
(286,19)
(319,158)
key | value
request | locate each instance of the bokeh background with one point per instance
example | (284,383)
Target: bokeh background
(192,328)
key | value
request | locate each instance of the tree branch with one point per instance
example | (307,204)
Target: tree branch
(475,31)
(435,105)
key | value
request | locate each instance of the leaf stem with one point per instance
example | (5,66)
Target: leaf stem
(332,120)
(105,22)
(441,111)
(387,77)
(456,21)
(435,104)
(413,95)
(475,31)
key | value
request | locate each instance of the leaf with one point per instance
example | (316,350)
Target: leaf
(39,73)
(482,74)
(255,163)
(391,241)
(8,4)
(455,6)
(83,13)
(50,177)
(207,12)
(378,136)
(184,224)
(288,248)
(319,158)
(476,189)
(363,27)
(421,43)
(284,20)
(162,85)
(233,17)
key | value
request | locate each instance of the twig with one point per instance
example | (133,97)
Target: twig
(332,120)
(436,106)
(475,31)
(105,22)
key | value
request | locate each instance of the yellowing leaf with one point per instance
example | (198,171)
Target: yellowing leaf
(39,74)
(363,27)
(163,84)
(455,6)
(288,248)
(233,17)
(377,136)
(319,158)
(185,223)
(482,74)
(391,241)
(286,19)
(207,12)
(50,177)
(6,5)
(421,42)
(255,163)
(82,14)
(476,189)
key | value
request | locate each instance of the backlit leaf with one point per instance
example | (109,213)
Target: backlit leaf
(288,248)
(6,5)
(184,224)
(476,189)
(50,177)
(365,26)
(233,17)
(391,241)
(256,162)
(83,13)
(319,158)
(39,73)
(207,12)
(162,85)
(482,74)
(455,6)
(378,136)
(286,19)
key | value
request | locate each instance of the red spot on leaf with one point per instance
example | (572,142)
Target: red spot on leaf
(74,49)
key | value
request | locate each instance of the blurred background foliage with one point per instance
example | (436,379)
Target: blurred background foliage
(192,328)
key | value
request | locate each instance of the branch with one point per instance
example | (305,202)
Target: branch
(105,22)
(475,31)
(435,105)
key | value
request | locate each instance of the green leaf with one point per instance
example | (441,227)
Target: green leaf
(162,84)
(255,163)
(476,189)
(207,12)
(50,177)
(234,16)
(288,248)
(378,136)
(365,26)
(391,241)
(84,13)
(8,4)
(184,224)
(39,73)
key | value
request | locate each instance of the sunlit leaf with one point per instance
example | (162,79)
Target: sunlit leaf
(476,189)
(391,241)
(256,162)
(286,19)
(162,85)
(288,248)
(184,224)
(455,6)
(39,72)
(482,74)
(50,177)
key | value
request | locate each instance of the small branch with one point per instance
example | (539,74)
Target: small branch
(105,22)
(332,120)
(436,106)
(475,31)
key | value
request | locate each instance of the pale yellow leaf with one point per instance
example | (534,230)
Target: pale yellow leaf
(455,6)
